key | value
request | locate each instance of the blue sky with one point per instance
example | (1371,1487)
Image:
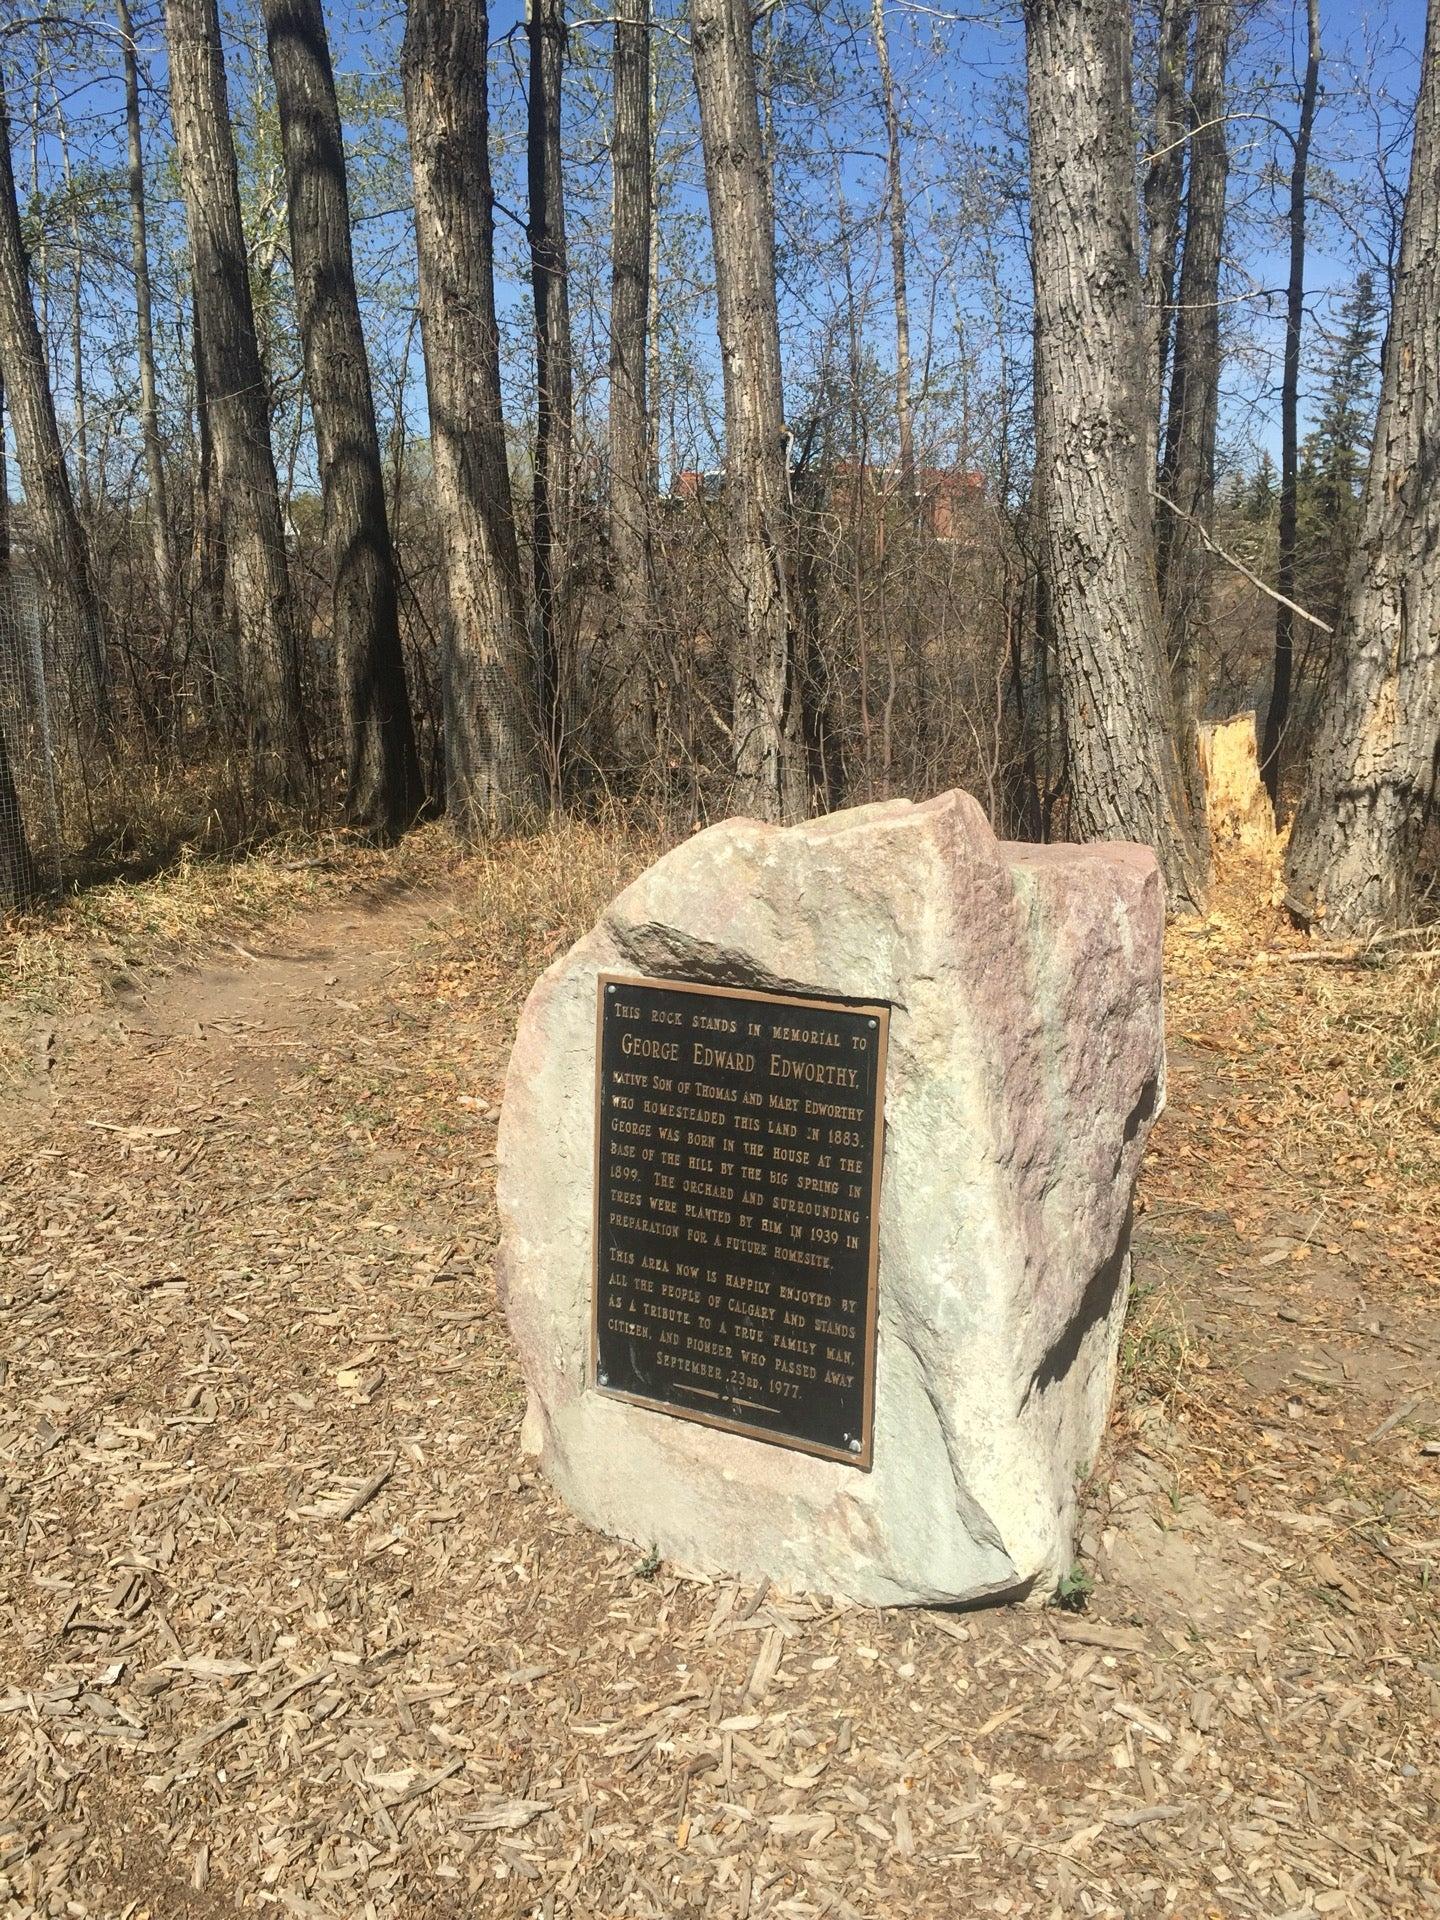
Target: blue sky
(960,81)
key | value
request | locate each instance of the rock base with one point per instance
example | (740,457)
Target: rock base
(1025,1070)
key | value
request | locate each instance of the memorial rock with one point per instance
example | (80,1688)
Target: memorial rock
(815,1176)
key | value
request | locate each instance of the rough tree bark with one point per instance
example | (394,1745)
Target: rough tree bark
(920,717)
(1371,781)
(768,746)
(19,880)
(79,392)
(208,549)
(1277,713)
(1096,547)
(492,711)
(554,383)
(1188,470)
(895,220)
(161,532)
(255,560)
(1164,181)
(61,555)
(654,390)
(384,792)
(630,517)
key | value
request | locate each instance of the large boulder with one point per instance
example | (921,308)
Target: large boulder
(1025,1069)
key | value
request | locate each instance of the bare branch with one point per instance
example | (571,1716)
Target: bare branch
(1239,565)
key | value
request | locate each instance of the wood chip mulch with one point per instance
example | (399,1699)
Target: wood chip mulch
(288,1625)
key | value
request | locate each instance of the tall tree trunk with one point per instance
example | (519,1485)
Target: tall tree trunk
(1096,544)
(79,393)
(256,566)
(769,749)
(208,550)
(652,314)
(61,554)
(904,415)
(161,532)
(554,401)
(1371,782)
(383,789)
(1277,714)
(1188,471)
(855,460)
(1164,178)
(630,499)
(895,220)
(492,712)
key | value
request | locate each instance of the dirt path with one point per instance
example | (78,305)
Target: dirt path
(287,1625)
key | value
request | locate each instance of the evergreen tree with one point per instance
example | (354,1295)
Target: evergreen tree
(1262,492)
(1336,452)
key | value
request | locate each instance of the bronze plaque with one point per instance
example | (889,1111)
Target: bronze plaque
(737,1198)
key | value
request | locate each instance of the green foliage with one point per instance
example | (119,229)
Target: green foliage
(1335,454)
(1262,492)
(1333,461)
(1074,1591)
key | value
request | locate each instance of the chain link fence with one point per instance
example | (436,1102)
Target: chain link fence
(30,746)
(52,738)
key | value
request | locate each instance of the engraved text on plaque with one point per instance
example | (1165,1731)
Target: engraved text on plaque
(737,1196)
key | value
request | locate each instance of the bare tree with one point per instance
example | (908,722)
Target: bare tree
(768,739)
(1096,546)
(904,409)
(895,220)
(208,540)
(630,225)
(1188,469)
(554,378)
(79,392)
(383,786)
(1371,782)
(61,554)
(235,395)
(653,387)
(492,762)
(1164,184)
(161,531)
(1277,713)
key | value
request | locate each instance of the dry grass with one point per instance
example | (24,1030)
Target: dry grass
(179,909)
(1329,1062)
(65,957)
(1154,1346)
(539,895)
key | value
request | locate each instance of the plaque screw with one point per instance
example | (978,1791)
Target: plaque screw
(604,1379)
(854,1446)
(869,1023)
